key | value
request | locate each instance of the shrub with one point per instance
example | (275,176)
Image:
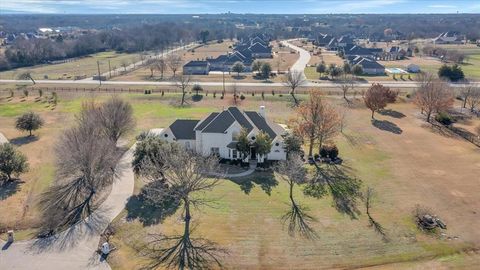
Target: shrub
(242,97)
(263,95)
(25,92)
(12,162)
(40,92)
(324,152)
(333,152)
(163,93)
(444,118)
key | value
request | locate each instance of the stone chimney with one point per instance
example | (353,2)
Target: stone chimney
(262,112)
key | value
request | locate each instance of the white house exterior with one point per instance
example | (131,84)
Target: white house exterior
(217,133)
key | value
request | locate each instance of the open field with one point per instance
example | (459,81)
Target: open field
(414,165)
(83,66)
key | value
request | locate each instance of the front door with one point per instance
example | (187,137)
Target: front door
(253,153)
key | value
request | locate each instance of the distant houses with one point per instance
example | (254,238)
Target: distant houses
(244,52)
(449,38)
(369,66)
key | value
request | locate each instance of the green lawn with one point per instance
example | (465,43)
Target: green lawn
(83,66)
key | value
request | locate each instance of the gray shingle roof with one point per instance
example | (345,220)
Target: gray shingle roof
(261,123)
(220,123)
(206,121)
(241,119)
(184,129)
(196,64)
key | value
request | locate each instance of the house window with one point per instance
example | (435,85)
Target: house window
(165,135)
(277,144)
(215,151)
(253,138)
(234,153)
(187,145)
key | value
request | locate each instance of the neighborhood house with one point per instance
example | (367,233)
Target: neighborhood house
(218,134)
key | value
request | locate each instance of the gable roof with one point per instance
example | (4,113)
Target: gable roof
(241,119)
(259,48)
(206,121)
(184,129)
(368,63)
(220,123)
(261,123)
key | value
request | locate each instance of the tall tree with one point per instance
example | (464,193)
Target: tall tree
(308,115)
(186,173)
(161,65)
(328,124)
(293,80)
(183,82)
(29,121)
(473,100)
(378,96)
(116,118)
(292,143)
(266,69)
(347,84)
(238,67)
(243,144)
(432,95)
(12,162)
(321,68)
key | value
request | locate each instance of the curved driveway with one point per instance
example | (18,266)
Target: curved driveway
(74,248)
(303,59)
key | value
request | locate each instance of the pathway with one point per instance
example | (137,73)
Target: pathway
(302,60)
(74,248)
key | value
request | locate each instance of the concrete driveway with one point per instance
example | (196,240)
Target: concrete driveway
(302,60)
(74,248)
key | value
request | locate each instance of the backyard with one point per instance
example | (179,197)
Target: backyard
(404,160)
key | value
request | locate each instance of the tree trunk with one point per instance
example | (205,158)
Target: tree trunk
(373,112)
(291,192)
(320,143)
(187,216)
(292,93)
(183,96)
(464,103)
(30,132)
(429,113)
(310,148)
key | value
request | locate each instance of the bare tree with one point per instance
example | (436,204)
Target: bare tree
(124,64)
(116,118)
(378,96)
(26,76)
(85,166)
(293,80)
(329,123)
(473,100)
(183,82)
(185,173)
(465,92)
(174,61)
(161,66)
(433,95)
(347,84)
(293,173)
(235,94)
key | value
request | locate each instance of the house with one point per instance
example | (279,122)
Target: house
(196,68)
(344,41)
(372,53)
(260,51)
(332,45)
(449,38)
(412,68)
(226,62)
(217,134)
(369,66)
(323,40)
(396,53)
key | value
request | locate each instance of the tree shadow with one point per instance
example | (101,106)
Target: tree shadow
(197,98)
(266,181)
(345,190)
(392,113)
(151,212)
(387,126)
(298,221)
(19,141)
(9,188)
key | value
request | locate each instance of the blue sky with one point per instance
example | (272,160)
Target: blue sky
(239,6)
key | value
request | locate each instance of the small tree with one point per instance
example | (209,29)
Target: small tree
(473,100)
(256,66)
(293,80)
(174,62)
(161,65)
(197,88)
(378,96)
(263,145)
(183,82)
(26,76)
(346,84)
(347,69)
(116,118)
(238,67)
(266,70)
(292,143)
(12,162)
(321,68)
(357,70)
(29,122)
(243,144)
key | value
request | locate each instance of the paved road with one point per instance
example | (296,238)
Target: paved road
(303,59)
(320,84)
(74,248)
(139,63)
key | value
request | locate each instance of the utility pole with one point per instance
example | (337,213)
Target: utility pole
(223,77)
(99,78)
(109,69)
